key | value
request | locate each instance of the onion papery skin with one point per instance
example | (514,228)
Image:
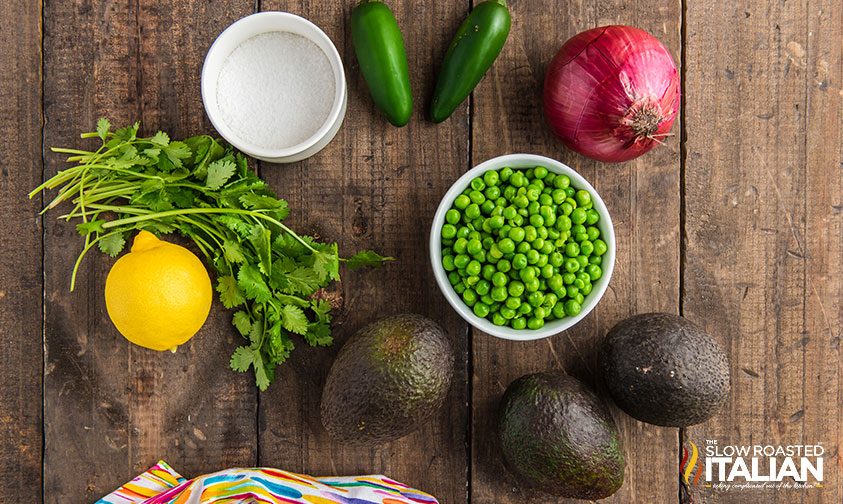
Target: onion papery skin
(611,93)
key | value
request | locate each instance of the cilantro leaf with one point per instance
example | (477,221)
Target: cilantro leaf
(160,138)
(249,279)
(232,251)
(301,280)
(367,258)
(112,244)
(293,319)
(326,264)
(229,291)
(103,125)
(242,359)
(318,334)
(175,152)
(242,322)
(94,226)
(218,173)
(236,224)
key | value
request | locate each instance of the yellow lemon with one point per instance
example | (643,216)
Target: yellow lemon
(159,294)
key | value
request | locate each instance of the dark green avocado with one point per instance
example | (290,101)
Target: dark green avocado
(665,370)
(556,434)
(388,378)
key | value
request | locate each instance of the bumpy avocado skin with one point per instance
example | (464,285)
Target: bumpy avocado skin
(665,370)
(556,434)
(388,378)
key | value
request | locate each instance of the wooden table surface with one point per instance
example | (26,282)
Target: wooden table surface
(736,224)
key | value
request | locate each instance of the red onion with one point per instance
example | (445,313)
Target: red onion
(612,93)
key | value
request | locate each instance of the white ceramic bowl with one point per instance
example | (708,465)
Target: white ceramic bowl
(245,29)
(521,161)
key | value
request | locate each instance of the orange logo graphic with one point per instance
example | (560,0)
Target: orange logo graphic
(691,462)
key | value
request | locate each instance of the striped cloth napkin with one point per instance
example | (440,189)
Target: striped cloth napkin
(160,484)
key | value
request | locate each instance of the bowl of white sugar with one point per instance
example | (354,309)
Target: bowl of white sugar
(273,86)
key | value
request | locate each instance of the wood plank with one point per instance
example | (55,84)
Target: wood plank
(375,186)
(643,198)
(113,409)
(21,284)
(764,187)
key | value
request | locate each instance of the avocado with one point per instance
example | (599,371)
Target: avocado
(388,379)
(665,370)
(556,434)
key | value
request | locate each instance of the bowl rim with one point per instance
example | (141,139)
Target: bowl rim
(520,160)
(237,33)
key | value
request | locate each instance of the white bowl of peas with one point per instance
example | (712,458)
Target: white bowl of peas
(522,247)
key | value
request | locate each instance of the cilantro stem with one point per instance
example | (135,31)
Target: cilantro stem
(88,245)
(189,211)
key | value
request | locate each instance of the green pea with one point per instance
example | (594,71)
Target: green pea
(579,284)
(499,279)
(533,208)
(550,300)
(583,197)
(600,247)
(547,248)
(461,261)
(510,212)
(486,207)
(555,282)
(578,216)
(572,308)
(561,181)
(499,293)
(473,268)
(530,233)
(535,323)
(496,222)
(567,208)
(572,265)
(515,288)
(572,249)
(594,271)
(459,288)
(570,191)
(509,192)
(519,261)
(452,216)
(540,172)
(477,184)
(518,323)
(508,313)
(592,232)
(537,220)
(523,247)
(552,233)
(591,216)
(537,243)
(462,201)
(448,263)
(527,274)
(498,319)
(586,290)
(504,265)
(572,290)
(516,234)
(568,278)
(490,178)
(449,231)
(556,259)
(525,308)
(481,310)
(469,296)
(583,260)
(474,246)
(494,252)
(480,256)
(471,281)
(513,302)
(558,310)
(547,271)
(492,193)
(535,298)
(517,179)
(505,173)
(558,196)
(595,259)
(482,287)
(586,247)
(454,278)
(533,285)
(550,220)
(540,312)
(487,271)
(487,300)
(472,211)
(533,256)
(477,196)
(506,245)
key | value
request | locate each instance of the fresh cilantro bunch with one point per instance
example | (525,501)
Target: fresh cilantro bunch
(204,190)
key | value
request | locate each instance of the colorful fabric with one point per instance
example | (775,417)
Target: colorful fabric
(160,484)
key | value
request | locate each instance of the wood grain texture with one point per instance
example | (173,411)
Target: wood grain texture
(375,186)
(643,198)
(21,301)
(764,184)
(113,409)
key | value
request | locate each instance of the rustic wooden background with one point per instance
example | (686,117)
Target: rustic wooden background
(737,224)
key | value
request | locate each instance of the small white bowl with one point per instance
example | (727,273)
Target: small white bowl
(607,234)
(245,29)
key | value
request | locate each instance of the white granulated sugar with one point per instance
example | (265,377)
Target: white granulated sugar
(275,90)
